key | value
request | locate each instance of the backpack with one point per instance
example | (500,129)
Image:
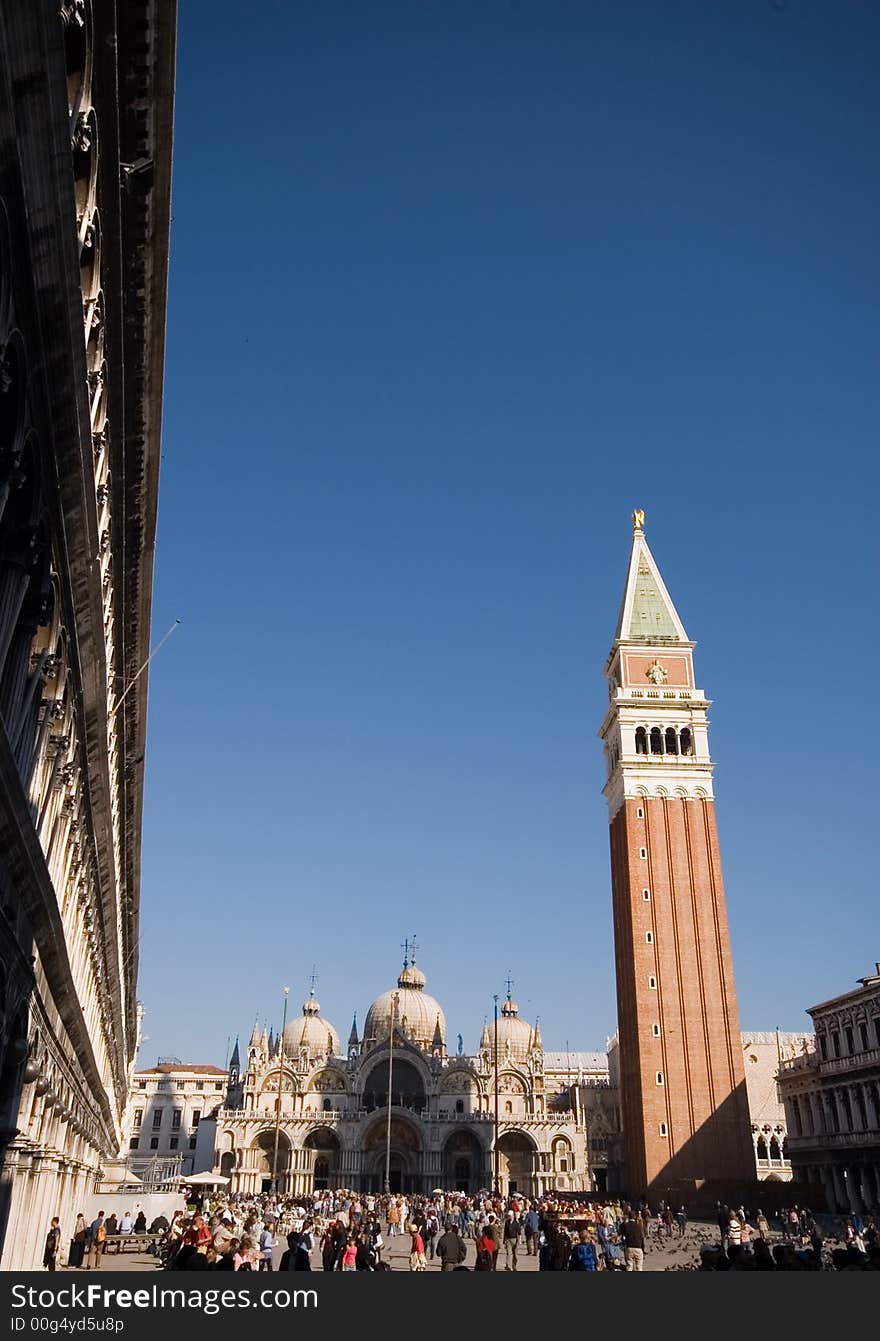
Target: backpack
(583,1257)
(101,1233)
(484,1259)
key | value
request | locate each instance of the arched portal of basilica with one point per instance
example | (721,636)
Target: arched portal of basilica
(333,1111)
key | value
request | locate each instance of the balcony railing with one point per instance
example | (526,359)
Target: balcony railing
(838,1140)
(857,1062)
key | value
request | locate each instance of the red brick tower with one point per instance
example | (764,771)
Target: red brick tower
(683,1092)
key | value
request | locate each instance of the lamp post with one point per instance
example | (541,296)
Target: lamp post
(278,1102)
(497,1183)
(394,1000)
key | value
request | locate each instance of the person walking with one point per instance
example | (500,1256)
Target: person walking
(417,1259)
(97,1237)
(682,1221)
(451,1248)
(493,1229)
(53,1239)
(266,1244)
(633,1237)
(511,1240)
(532,1227)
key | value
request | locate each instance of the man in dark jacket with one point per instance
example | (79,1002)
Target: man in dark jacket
(451,1248)
(633,1238)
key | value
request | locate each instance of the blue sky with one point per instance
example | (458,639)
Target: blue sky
(454,287)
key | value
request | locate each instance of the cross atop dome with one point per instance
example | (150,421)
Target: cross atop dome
(509,985)
(409,948)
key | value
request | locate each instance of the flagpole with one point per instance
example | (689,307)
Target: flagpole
(388,1123)
(278,1102)
(497,1184)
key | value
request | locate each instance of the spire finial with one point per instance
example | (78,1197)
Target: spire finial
(638,519)
(509,986)
(409,950)
(313,980)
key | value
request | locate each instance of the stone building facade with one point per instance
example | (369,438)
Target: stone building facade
(763,1054)
(170,1119)
(831,1094)
(683,1088)
(328,1106)
(85,163)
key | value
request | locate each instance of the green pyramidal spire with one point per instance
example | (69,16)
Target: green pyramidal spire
(647,614)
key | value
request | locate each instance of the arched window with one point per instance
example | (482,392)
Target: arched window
(459,1105)
(561,1155)
(775,1152)
(685,741)
(641,740)
(761,1148)
(656,740)
(671,740)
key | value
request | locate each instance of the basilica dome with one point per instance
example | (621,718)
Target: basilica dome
(309,1030)
(518,1033)
(417,1013)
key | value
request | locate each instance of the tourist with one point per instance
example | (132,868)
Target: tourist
(296,1258)
(583,1254)
(511,1240)
(485,1250)
(494,1231)
(126,1223)
(763,1226)
(633,1236)
(266,1246)
(140,1224)
(681,1220)
(531,1225)
(417,1259)
(77,1251)
(97,1237)
(53,1239)
(451,1248)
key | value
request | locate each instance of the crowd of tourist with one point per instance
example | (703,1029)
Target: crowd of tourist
(347,1232)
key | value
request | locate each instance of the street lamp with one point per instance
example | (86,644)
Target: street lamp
(278,1102)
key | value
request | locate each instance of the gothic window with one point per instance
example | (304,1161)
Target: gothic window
(641,740)
(775,1152)
(671,740)
(685,741)
(656,740)
(761,1148)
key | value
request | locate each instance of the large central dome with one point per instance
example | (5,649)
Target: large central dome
(417,1014)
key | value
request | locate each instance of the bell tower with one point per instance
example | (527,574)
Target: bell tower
(683,1093)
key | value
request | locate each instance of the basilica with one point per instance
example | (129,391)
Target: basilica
(311,1114)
